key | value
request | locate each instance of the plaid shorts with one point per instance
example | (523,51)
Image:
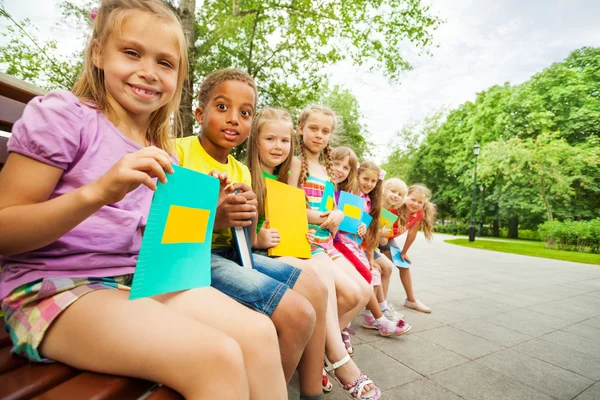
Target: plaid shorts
(31,308)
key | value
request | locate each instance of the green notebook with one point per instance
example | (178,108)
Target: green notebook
(176,247)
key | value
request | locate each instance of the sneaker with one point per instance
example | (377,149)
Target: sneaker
(417,305)
(392,313)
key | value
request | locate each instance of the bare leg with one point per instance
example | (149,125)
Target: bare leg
(254,332)
(407,283)
(365,290)
(378,290)
(334,346)
(373,306)
(314,289)
(387,267)
(105,332)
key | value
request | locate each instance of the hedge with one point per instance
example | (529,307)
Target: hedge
(583,236)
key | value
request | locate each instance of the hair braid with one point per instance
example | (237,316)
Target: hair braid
(304,169)
(328,162)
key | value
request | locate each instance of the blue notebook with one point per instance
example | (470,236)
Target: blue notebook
(397,259)
(366,219)
(176,247)
(353,208)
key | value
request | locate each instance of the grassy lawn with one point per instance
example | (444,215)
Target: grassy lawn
(528,248)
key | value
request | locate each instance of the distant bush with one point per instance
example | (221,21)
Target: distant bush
(463,229)
(583,236)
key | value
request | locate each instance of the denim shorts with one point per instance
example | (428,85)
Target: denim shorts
(259,289)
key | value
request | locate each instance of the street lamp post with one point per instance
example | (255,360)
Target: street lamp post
(476,149)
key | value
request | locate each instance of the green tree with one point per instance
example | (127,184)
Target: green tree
(352,131)
(286,44)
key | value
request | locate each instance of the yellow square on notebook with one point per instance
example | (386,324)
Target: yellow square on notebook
(330,204)
(185,225)
(351,211)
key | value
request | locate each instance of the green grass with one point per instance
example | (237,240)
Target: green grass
(527,248)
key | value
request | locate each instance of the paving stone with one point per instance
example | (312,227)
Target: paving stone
(385,371)
(475,381)
(581,329)
(574,342)
(420,389)
(532,323)
(592,393)
(460,342)
(564,357)
(449,316)
(420,355)
(492,332)
(575,306)
(595,322)
(594,294)
(545,377)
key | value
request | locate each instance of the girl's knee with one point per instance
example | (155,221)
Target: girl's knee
(295,316)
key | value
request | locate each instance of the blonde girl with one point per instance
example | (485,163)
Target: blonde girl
(416,211)
(269,155)
(311,171)
(74,197)
(364,181)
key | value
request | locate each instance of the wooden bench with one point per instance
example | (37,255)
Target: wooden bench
(20,379)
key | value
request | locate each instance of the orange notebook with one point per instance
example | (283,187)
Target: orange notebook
(285,207)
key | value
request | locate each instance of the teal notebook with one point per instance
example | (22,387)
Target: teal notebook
(366,219)
(328,199)
(175,251)
(397,258)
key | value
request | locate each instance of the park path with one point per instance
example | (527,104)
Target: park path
(503,326)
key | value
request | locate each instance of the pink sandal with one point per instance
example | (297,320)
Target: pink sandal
(346,332)
(356,389)
(327,385)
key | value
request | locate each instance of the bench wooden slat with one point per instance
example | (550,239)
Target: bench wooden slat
(164,393)
(9,361)
(33,379)
(92,386)
(4,337)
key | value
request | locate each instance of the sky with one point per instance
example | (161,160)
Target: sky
(480,44)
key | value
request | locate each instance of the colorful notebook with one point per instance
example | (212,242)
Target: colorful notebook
(328,200)
(285,208)
(387,218)
(352,206)
(366,219)
(175,250)
(397,259)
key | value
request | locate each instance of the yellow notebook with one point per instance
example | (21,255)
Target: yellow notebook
(285,207)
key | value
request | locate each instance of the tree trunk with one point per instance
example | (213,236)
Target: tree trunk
(513,227)
(186,15)
(545,199)
(496,222)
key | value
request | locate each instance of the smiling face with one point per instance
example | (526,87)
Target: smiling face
(367,180)
(415,202)
(341,169)
(274,144)
(394,197)
(316,131)
(226,118)
(140,65)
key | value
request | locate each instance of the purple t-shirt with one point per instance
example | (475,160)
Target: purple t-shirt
(59,130)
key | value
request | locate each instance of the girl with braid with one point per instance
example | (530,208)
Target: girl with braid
(311,171)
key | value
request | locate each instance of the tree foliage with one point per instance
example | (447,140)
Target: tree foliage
(540,141)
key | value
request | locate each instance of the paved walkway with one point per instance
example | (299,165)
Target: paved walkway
(503,326)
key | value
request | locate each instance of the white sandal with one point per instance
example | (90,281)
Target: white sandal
(355,389)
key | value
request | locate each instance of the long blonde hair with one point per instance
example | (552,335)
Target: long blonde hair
(429,210)
(372,237)
(266,115)
(90,86)
(306,113)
